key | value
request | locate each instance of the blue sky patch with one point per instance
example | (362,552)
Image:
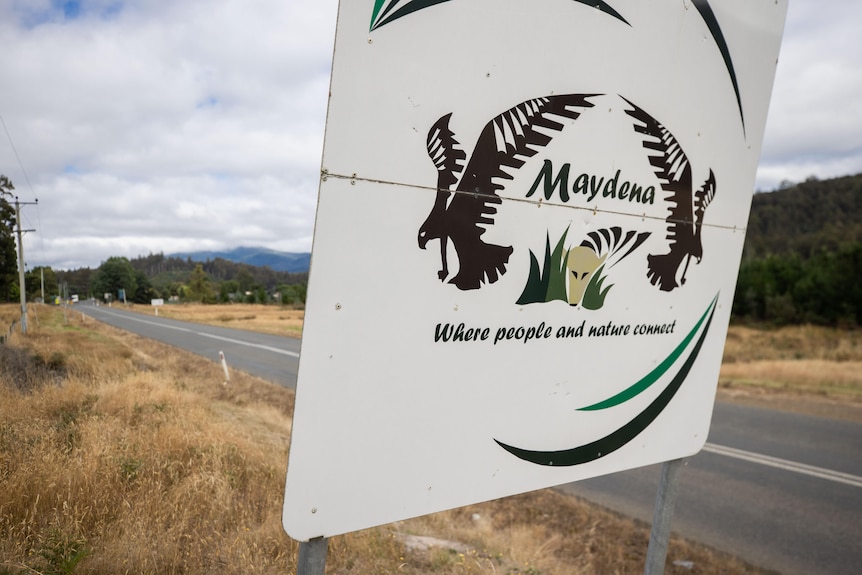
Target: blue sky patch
(71,9)
(209,102)
(61,11)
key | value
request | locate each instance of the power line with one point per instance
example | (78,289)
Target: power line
(17,157)
(29,184)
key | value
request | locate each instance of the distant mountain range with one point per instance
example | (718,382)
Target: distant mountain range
(275,260)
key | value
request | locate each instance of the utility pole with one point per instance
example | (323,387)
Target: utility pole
(22,287)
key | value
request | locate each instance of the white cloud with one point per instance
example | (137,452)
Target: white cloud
(161,126)
(155,125)
(815,118)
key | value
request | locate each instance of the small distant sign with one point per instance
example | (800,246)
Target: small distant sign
(157,302)
(75,299)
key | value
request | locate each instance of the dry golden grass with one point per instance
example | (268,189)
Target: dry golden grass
(805,368)
(133,457)
(277,320)
(792,343)
(122,455)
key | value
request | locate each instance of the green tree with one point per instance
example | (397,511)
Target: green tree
(33,280)
(199,286)
(77,281)
(144,292)
(293,294)
(113,275)
(227,289)
(245,280)
(8,251)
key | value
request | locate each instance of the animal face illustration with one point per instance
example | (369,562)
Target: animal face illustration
(581,263)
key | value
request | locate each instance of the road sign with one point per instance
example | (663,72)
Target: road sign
(529,227)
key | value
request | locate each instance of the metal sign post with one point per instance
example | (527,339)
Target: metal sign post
(662,517)
(312,557)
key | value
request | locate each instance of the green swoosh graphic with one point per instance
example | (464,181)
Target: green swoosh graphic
(712,23)
(411,7)
(377,5)
(620,437)
(417,5)
(703,7)
(652,376)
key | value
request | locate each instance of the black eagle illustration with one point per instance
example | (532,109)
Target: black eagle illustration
(684,222)
(460,214)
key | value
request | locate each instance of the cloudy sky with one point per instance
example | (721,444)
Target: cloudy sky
(182,125)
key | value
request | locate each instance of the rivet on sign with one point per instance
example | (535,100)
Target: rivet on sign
(370,41)
(337,306)
(314,509)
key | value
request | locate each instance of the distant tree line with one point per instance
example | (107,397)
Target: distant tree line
(156,276)
(802,261)
(805,219)
(825,288)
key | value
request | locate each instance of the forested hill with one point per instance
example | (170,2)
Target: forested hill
(802,261)
(805,219)
(160,276)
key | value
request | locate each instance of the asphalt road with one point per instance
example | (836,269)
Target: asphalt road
(779,490)
(270,357)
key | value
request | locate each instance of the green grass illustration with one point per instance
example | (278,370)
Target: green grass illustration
(594,295)
(548,282)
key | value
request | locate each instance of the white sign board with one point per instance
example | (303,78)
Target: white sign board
(157,302)
(530,222)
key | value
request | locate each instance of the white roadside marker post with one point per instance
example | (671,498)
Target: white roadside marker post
(224,367)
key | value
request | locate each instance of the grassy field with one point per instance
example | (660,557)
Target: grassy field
(123,455)
(809,369)
(272,319)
